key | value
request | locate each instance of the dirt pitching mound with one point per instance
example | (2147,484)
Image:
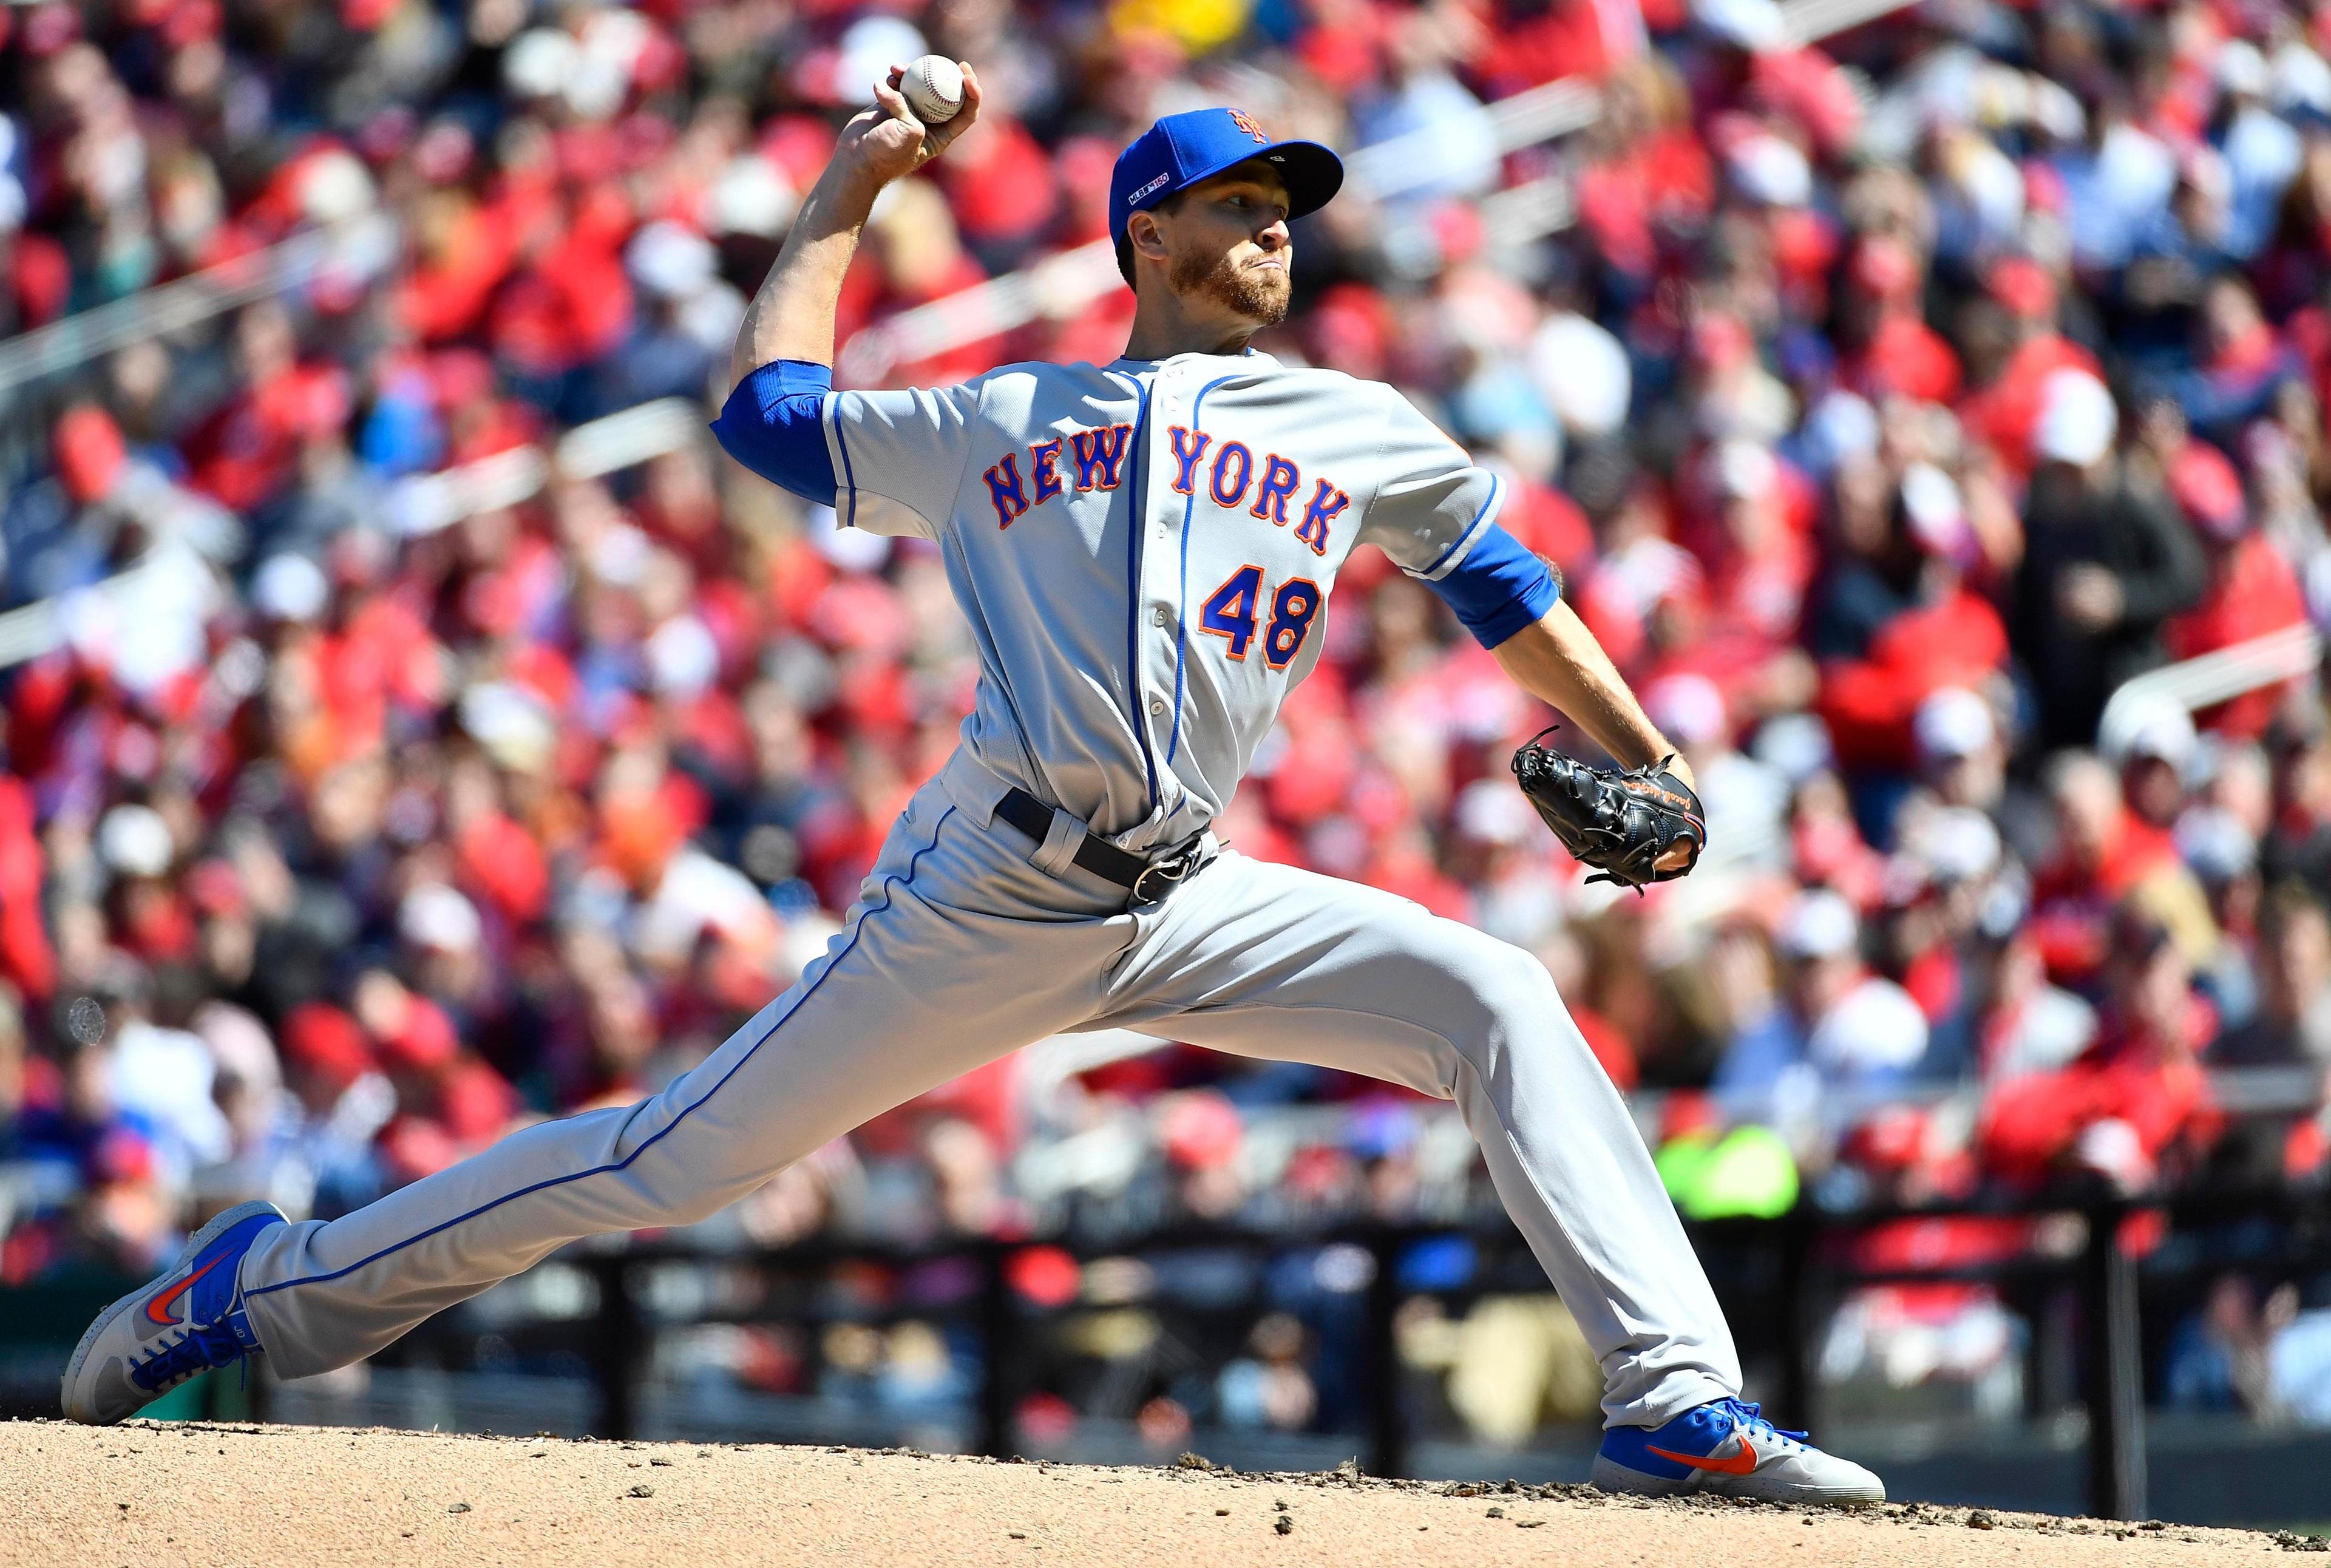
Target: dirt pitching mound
(171,1492)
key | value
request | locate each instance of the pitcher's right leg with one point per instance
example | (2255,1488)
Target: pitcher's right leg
(931,977)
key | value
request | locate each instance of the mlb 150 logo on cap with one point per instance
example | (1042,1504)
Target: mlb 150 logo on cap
(1238,117)
(1135,199)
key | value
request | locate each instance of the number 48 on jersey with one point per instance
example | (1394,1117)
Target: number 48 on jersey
(1232,613)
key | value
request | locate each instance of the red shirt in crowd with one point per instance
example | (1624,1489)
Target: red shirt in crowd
(1868,702)
(2072,902)
(2033,1124)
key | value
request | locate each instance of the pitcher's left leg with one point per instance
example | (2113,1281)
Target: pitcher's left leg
(1271,960)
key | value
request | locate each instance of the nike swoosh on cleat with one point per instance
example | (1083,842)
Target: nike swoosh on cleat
(158,1309)
(1738,1464)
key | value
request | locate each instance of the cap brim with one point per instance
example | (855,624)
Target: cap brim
(1313,174)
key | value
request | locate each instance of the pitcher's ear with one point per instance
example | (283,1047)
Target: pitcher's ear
(1146,236)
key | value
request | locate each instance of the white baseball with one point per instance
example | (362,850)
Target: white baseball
(933,89)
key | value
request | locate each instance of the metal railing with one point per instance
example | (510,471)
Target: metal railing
(2209,678)
(428,502)
(1810,21)
(420,505)
(173,306)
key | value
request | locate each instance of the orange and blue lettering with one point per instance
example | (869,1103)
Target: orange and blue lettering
(1229,612)
(1227,491)
(1326,505)
(1292,610)
(1005,489)
(1280,481)
(1186,455)
(1100,456)
(1044,464)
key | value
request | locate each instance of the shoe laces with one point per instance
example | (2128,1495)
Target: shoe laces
(199,1349)
(1751,1415)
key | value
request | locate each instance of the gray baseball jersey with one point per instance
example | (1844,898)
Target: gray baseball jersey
(1145,550)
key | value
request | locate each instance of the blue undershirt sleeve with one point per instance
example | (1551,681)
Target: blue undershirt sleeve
(1496,588)
(773,423)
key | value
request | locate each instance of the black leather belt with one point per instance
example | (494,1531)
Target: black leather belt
(1146,880)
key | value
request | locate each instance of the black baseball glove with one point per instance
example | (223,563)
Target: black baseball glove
(1621,822)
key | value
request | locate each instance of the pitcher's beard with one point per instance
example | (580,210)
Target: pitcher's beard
(1259,297)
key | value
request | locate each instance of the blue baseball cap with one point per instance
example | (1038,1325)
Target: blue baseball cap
(1182,149)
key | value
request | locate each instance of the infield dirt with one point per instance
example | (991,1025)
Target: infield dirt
(169,1492)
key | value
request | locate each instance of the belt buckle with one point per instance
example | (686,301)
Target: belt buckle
(1169,871)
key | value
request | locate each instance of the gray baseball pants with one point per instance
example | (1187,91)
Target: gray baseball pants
(961,949)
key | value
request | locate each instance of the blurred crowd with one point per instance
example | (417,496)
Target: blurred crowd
(1887,402)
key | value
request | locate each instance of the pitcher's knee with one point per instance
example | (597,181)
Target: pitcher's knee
(1515,1023)
(1512,998)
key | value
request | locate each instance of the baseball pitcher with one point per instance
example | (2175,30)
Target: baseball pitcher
(1145,550)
